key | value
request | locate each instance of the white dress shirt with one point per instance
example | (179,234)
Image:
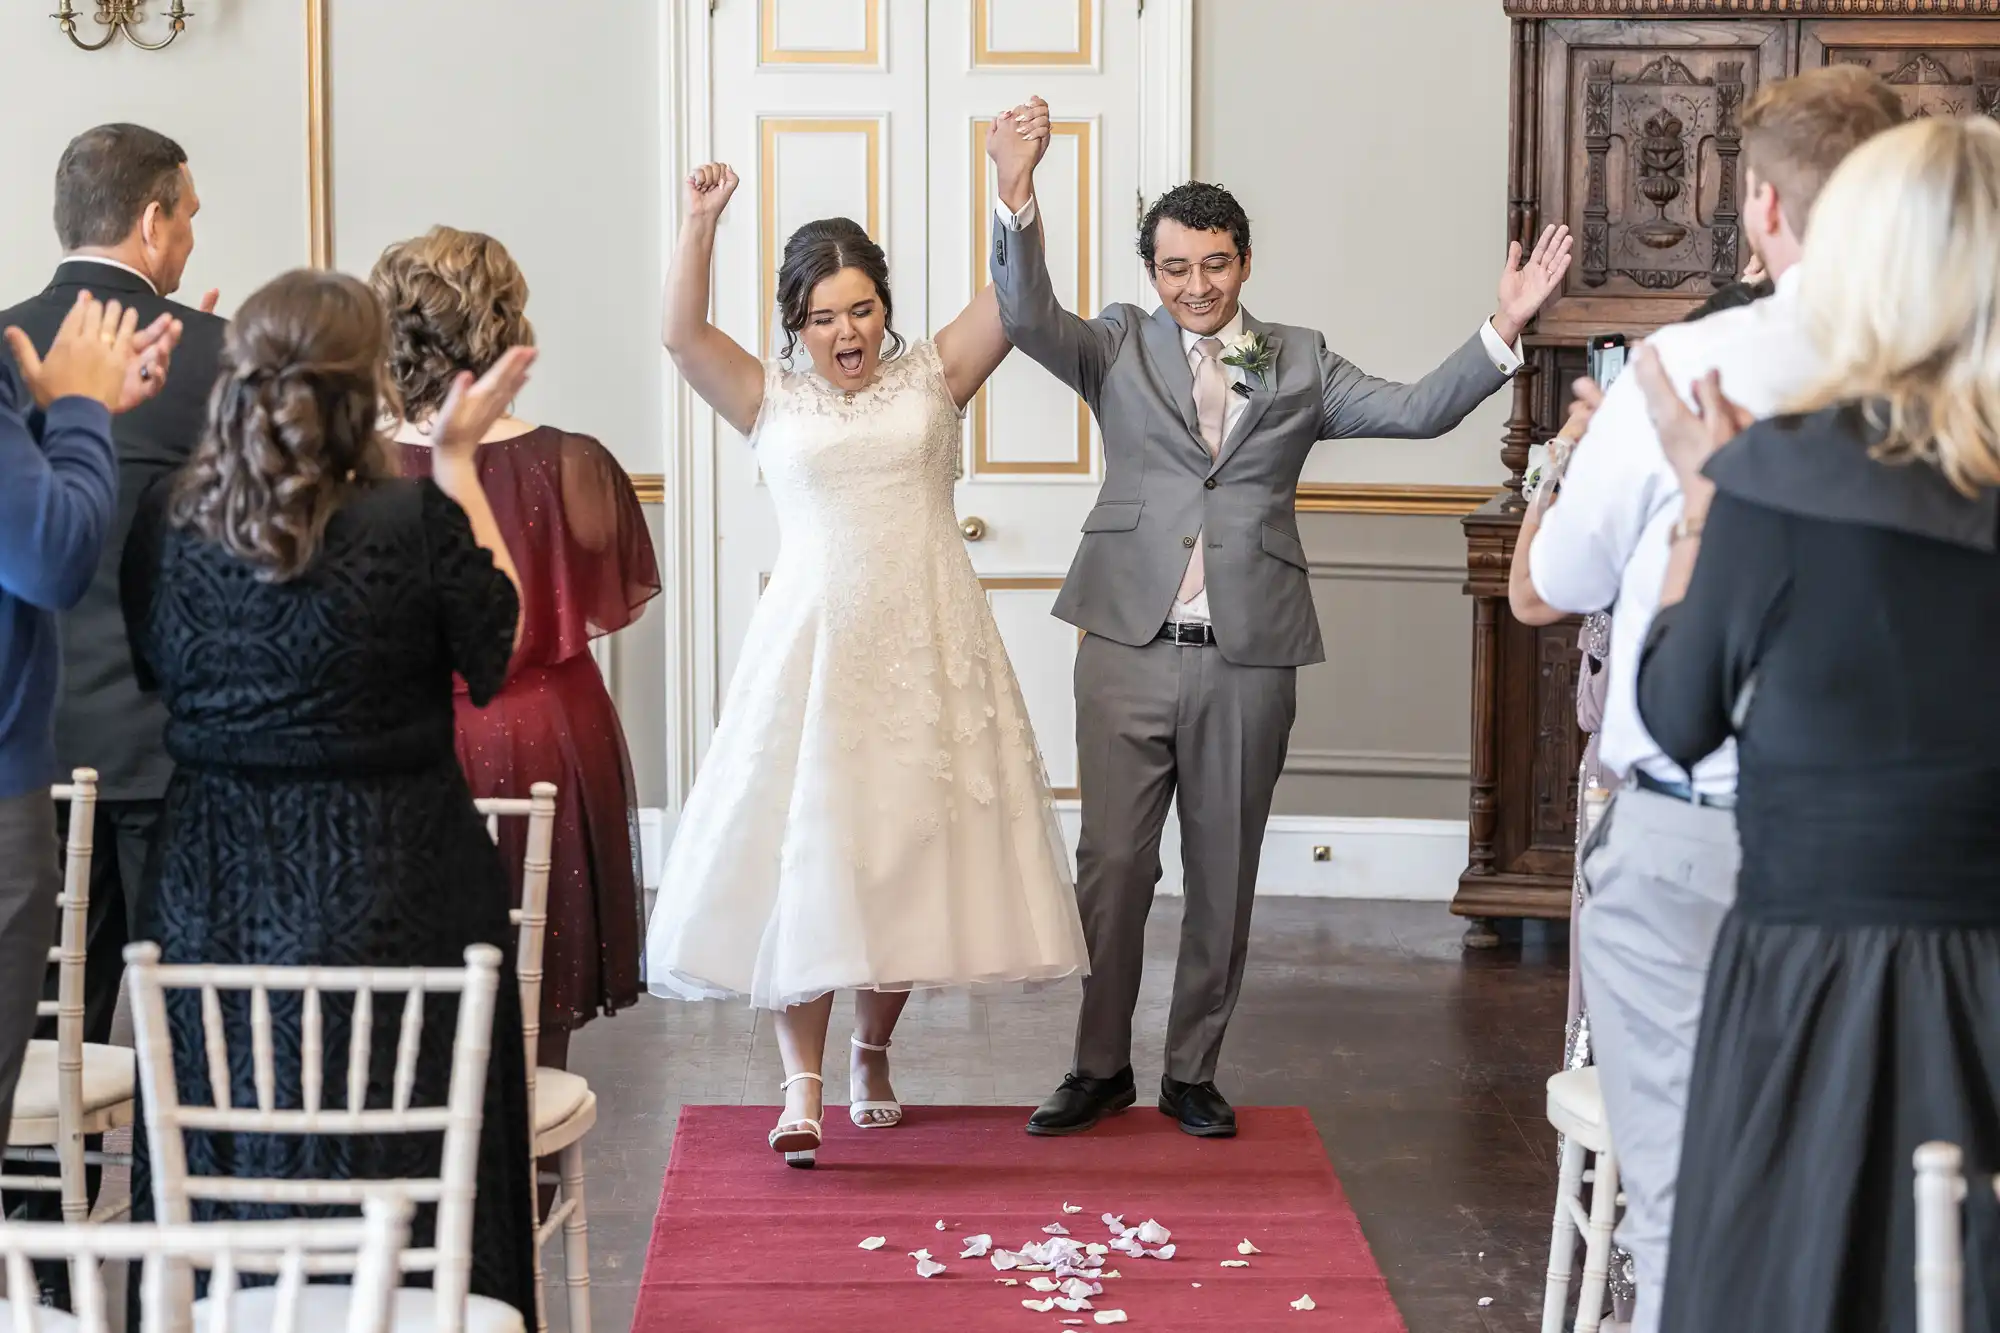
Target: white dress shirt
(1195,612)
(1604,542)
(112,263)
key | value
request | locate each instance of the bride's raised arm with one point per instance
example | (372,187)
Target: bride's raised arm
(729,379)
(973,345)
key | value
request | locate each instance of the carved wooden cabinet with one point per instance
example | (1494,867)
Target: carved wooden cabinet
(1625,124)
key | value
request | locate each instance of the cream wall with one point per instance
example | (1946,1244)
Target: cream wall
(1367,139)
(230,90)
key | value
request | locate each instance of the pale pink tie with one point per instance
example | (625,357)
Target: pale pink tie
(1211,402)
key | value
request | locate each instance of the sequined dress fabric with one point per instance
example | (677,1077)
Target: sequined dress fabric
(873,811)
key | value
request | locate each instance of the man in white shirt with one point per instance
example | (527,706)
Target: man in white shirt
(1661,865)
(1192,588)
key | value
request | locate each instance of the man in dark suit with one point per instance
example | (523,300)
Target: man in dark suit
(124,212)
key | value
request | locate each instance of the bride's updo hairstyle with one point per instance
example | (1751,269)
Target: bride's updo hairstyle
(814,253)
(292,422)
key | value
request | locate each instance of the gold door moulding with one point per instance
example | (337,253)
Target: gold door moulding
(1313,498)
(768,241)
(985,57)
(1033,583)
(319,161)
(1657,9)
(770,53)
(982,212)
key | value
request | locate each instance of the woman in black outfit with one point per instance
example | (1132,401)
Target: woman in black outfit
(301,611)
(1843,623)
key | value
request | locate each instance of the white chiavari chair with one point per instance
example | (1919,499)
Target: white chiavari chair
(447,1307)
(1941,1194)
(70,1088)
(366,1247)
(565,1108)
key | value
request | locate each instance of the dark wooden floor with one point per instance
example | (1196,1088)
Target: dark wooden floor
(1421,1064)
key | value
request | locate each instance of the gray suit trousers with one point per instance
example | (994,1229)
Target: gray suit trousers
(1661,875)
(30,879)
(1153,722)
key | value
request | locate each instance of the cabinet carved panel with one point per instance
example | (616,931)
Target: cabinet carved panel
(1937,69)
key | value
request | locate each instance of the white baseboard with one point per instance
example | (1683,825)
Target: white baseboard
(1414,860)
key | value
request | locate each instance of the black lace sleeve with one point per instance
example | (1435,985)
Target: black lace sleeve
(139,575)
(477,602)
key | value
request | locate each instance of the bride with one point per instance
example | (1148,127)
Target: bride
(873,813)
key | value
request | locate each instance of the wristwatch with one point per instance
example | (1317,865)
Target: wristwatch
(1685,528)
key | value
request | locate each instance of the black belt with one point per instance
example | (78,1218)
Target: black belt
(1187,634)
(1681,791)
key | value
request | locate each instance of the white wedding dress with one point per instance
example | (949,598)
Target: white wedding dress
(873,812)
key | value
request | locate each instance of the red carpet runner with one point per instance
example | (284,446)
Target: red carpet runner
(742,1243)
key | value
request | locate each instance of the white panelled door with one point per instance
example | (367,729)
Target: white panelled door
(876,110)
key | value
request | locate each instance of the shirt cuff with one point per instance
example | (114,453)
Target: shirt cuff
(1025,219)
(1506,359)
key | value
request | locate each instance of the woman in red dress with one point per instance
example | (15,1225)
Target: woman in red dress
(456,300)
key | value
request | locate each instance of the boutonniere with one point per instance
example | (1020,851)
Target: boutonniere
(1252,353)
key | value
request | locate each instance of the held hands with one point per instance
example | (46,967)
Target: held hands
(470,409)
(1689,439)
(1754,272)
(708,191)
(1017,141)
(94,356)
(1524,286)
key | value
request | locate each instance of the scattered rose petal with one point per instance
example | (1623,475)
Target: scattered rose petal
(1304,1303)
(1111,1273)
(1041,1306)
(1055,1229)
(1115,1223)
(1164,1252)
(1109,1316)
(1235,1263)
(1005,1259)
(929,1268)
(1072,1304)
(1197,1284)
(1486,1300)
(1071,1208)
(1152,1233)
(940,1224)
(1037,1268)
(874,1242)
(1008,1281)
(1072,1321)
(976,1247)
(920,1255)
(1043,1284)
(1076,1289)
(1095,1248)
(1245,1247)
(1482,1254)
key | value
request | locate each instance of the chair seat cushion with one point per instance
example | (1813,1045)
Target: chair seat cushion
(323,1309)
(109,1078)
(46,1320)
(1576,1107)
(559,1094)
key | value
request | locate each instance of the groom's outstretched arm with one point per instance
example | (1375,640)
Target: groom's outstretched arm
(1073,349)
(1356,403)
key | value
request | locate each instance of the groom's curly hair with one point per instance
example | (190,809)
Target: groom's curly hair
(1197,206)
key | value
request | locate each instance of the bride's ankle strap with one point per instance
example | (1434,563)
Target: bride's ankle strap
(786,1086)
(861,1045)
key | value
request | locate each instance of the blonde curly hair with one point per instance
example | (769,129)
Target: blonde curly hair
(456,301)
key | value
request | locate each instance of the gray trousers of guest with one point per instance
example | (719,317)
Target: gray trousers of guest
(1153,723)
(30,880)
(1662,876)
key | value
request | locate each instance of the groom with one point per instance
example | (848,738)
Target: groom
(1192,588)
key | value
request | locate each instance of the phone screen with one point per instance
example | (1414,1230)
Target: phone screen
(1607,359)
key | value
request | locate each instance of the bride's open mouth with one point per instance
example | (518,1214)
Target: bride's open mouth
(850,361)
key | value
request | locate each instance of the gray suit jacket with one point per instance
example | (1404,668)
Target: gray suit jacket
(1160,485)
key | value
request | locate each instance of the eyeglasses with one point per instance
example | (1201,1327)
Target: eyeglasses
(1178,271)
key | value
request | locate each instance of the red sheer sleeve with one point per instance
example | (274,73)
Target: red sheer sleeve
(577,534)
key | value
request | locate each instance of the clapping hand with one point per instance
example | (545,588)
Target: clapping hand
(470,408)
(91,357)
(708,190)
(1524,286)
(153,353)
(1689,439)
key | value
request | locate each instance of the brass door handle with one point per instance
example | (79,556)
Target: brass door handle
(974,528)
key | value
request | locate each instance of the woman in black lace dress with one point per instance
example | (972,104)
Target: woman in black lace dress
(301,611)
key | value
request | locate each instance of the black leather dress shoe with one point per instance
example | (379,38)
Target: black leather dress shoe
(1200,1107)
(1082,1101)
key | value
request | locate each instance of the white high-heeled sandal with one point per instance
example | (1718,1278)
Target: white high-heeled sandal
(798,1139)
(856,1111)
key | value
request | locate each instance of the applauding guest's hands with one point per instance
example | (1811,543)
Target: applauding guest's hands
(1017,141)
(708,190)
(470,408)
(90,358)
(1524,286)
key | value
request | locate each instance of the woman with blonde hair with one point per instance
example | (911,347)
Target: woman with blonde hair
(457,302)
(302,612)
(1843,624)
